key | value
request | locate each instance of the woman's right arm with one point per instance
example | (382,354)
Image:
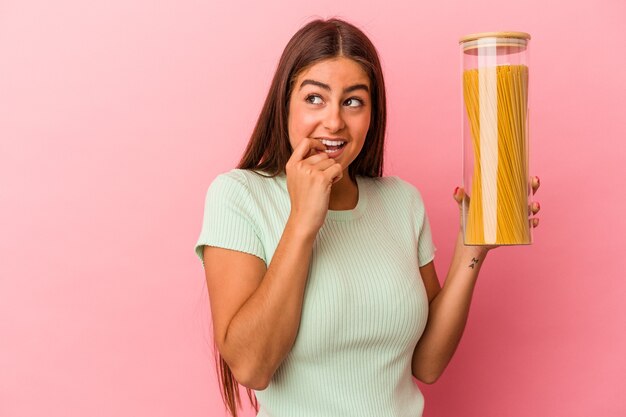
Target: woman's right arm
(256,311)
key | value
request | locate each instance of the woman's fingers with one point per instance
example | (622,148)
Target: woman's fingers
(459,195)
(324,164)
(315,159)
(334,172)
(306,148)
(534,208)
(535,184)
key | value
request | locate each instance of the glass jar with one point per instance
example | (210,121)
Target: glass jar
(496,180)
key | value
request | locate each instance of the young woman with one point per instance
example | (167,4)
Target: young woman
(323,290)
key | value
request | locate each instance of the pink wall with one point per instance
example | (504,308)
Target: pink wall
(115,116)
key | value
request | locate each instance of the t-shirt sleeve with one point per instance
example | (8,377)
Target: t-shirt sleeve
(425,246)
(228,220)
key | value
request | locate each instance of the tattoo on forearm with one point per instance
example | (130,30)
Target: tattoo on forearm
(474,263)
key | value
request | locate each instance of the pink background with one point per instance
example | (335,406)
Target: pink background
(115,116)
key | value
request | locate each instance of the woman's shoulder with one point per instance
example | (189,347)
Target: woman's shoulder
(243,176)
(233,175)
(248,181)
(228,183)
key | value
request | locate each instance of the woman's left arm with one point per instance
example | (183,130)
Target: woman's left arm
(449,306)
(448,310)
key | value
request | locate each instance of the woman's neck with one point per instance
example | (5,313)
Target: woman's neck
(344,194)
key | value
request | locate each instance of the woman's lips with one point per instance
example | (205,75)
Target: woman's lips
(336,153)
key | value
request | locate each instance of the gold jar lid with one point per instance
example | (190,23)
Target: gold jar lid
(513,35)
(495,39)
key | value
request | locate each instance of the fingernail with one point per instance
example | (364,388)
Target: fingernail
(456,190)
(538,181)
(538,206)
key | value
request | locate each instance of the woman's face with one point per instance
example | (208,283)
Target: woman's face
(331,100)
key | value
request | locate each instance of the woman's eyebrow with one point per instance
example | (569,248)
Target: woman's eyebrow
(327,87)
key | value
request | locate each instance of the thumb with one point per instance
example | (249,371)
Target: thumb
(459,196)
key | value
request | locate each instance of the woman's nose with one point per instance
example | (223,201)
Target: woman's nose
(333,119)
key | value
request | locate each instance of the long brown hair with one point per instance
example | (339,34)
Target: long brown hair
(269,148)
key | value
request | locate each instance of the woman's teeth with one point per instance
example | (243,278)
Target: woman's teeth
(333,143)
(331,149)
(334,150)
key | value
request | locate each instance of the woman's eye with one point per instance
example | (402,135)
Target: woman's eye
(309,98)
(353,99)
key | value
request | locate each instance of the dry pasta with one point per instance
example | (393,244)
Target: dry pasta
(496,104)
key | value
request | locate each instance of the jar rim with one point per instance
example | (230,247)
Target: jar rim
(511,35)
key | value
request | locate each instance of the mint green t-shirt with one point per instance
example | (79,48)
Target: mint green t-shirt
(365,305)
